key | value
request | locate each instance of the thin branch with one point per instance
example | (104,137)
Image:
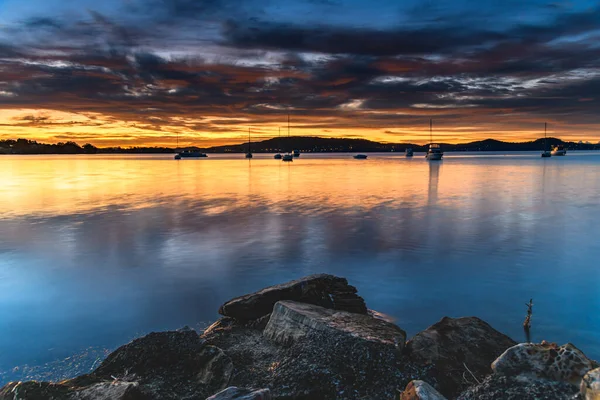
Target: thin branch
(476,380)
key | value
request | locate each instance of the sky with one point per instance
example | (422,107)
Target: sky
(146,72)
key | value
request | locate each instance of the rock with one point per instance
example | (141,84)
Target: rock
(291,320)
(420,390)
(452,345)
(169,365)
(216,367)
(590,385)
(323,364)
(234,393)
(323,290)
(34,391)
(116,390)
(502,387)
(564,363)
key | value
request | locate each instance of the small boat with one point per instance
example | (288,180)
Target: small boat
(435,151)
(278,156)
(361,156)
(190,154)
(289,156)
(249,152)
(177,157)
(559,150)
(296,153)
(409,152)
(545,153)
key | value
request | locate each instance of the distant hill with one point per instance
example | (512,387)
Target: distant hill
(309,144)
(306,144)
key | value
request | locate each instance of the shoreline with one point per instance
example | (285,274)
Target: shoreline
(315,338)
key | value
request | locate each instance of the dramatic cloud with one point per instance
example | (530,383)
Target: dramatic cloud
(141,72)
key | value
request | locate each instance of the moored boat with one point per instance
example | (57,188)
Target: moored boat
(249,152)
(545,153)
(191,154)
(409,152)
(435,151)
(360,156)
(559,150)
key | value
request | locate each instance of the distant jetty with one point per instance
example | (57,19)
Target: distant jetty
(315,338)
(305,144)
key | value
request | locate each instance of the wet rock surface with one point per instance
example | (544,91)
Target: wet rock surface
(291,321)
(455,349)
(323,290)
(34,391)
(420,390)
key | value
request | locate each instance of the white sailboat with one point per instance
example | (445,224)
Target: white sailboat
(288,157)
(249,153)
(278,155)
(435,152)
(545,153)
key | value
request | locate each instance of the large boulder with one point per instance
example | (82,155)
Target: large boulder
(291,321)
(503,387)
(590,385)
(348,356)
(420,390)
(564,363)
(457,352)
(169,365)
(234,393)
(323,290)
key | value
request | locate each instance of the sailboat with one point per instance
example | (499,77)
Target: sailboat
(545,153)
(288,157)
(188,153)
(249,153)
(296,152)
(435,151)
(177,155)
(278,155)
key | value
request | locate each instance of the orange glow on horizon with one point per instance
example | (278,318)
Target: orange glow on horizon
(50,126)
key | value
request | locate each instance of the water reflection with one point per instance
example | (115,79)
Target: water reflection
(96,250)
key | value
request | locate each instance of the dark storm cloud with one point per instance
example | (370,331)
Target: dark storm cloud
(351,40)
(110,64)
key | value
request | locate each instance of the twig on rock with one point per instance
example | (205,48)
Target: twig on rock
(527,322)
(473,375)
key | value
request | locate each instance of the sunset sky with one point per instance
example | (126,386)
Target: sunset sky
(139,72)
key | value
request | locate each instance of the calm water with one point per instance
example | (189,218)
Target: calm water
(95,250)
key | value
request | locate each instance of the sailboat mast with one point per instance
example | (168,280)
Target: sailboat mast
(248,139)
(288,129)
(430,131)
(545,145)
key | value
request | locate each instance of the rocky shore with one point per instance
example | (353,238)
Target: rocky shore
(315,338)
